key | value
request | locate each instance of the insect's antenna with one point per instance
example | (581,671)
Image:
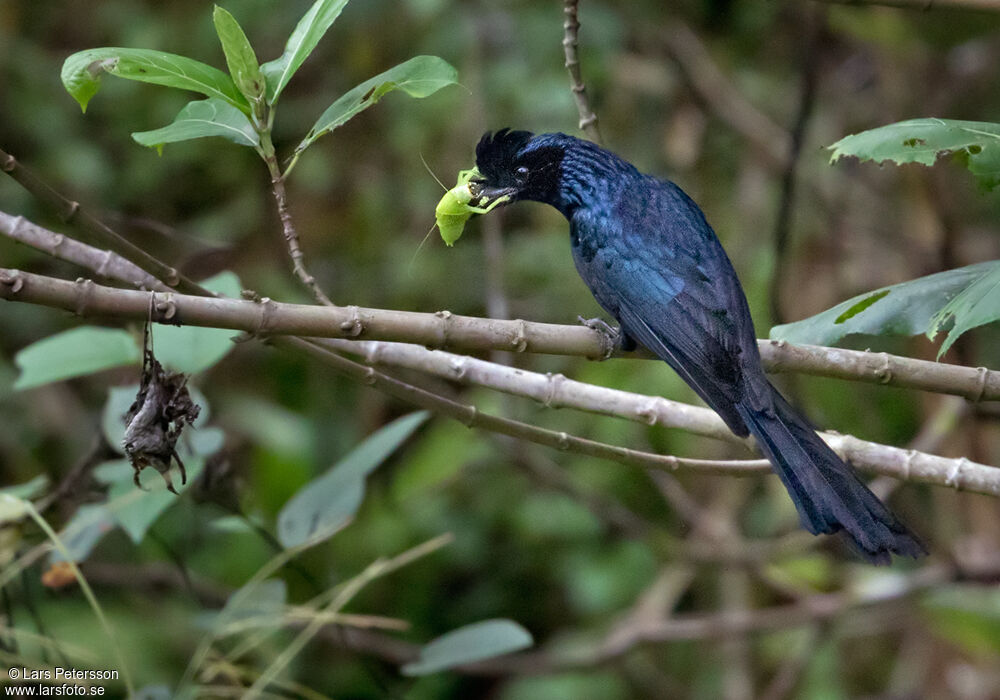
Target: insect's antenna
(435,178)
(409,268)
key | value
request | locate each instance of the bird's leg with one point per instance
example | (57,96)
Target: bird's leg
(617,339)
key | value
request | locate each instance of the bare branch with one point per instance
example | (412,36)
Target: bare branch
(571,31)
(470,416)
(292,236)
(467,333)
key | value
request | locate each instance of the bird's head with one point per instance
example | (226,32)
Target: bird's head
(520,165)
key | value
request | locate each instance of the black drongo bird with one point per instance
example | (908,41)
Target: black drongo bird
(652,261)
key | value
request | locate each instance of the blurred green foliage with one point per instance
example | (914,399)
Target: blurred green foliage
(542,551)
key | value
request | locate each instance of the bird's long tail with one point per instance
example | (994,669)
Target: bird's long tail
(828,494)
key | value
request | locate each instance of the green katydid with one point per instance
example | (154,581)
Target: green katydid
(454,210)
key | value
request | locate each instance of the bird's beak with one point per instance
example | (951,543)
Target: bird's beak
(484,195)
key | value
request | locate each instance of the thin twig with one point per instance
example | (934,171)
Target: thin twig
(783,220)
(571,31)
(287,225)
(470,416)
(105,263)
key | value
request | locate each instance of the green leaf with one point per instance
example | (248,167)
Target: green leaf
(85,529)
(81,73)
(191,349)
(924,140)
(12,509)
(966,614)
(908,308)
(240,58)
(136,509)
(475,642)
(29,489)
(256,599)
(326,503)
(976,305)
(74,353)
(201,118)
(419,77)
(301,43)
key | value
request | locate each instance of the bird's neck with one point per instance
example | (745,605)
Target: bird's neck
(592,178)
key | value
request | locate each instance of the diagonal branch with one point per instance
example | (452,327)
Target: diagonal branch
(71,212)
(570,42)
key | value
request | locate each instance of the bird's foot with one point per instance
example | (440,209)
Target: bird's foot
(615,338)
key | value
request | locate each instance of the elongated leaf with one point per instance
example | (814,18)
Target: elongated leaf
(192,349)
(240,58)
(81,73)
(74,353)
(925,140)
(301,43)
(475,642)
(908,308)
(418,77)
(136,509)
(326,503)
(976,305)
(201,118)
(85,529)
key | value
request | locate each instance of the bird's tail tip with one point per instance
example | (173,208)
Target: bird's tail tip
(828,495)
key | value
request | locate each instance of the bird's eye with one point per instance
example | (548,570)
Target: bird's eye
(522,173)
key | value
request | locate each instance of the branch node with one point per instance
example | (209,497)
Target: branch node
(984,374)
(445,316)
(884,373)
(908,463)
(8,163)
(954,479)
(172,278)
(71,211)
(84,296)
(552,388)
(166,308)
(472,415)
(648,413)
(12,279)
(374,350)
(458,366)
(106,260)
(520,340)
(353,327)
(370,376)
(563,441)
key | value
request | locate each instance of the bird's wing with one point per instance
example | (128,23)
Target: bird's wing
(678,295)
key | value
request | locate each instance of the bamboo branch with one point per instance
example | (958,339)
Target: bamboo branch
(105,263)
(467,333)
(471,417)
(570,42)
(86,298)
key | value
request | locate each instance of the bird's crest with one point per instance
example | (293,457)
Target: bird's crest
(496,152)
